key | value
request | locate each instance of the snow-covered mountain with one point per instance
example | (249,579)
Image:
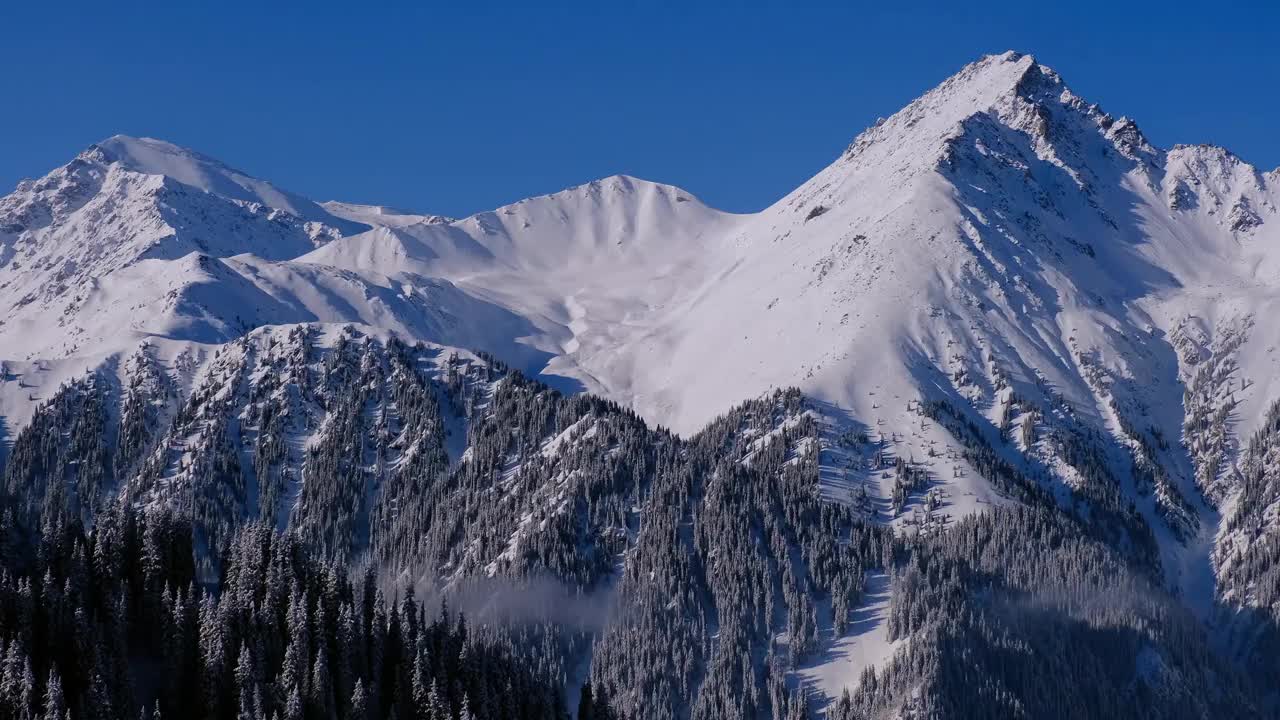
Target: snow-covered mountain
(1000,243)
(122,202)
(999,281)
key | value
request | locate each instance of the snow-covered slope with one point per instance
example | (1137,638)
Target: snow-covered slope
(209,300)
(596,269)
(380,215)
(148,156)
(999,200)
(121,202)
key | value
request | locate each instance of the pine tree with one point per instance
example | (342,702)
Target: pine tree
(55,705)
(437,708)
(465,713)
(359,703)
(246,682)
(422,680)
(321,690)
(293,707)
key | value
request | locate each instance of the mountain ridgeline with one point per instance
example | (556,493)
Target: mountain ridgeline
(981,421)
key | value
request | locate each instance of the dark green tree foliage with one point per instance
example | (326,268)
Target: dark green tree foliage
(735,549)
(1067,630)
(112,624)
(593,705)
(1249,560)
(276,409)
(580,500)
(61,462)
(381,413)
(1099,500)
(145,401)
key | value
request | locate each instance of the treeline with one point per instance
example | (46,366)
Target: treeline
(112,624)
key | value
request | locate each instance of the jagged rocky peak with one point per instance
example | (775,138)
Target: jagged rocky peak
(126,200)
(37,203)
(131,169)
(1213,179)
(1010,91)
(1209,163)
(973,89)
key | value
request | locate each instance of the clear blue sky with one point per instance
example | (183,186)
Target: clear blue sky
(453,110)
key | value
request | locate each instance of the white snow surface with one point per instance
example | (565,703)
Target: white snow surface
(840,664)
(380,214)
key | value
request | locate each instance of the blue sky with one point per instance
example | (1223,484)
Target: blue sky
(443,108)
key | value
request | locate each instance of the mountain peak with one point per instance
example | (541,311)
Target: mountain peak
(620,184)
(1008,99)
(995,76)
(976,88)
(153,156)
(150,156)
(613,190)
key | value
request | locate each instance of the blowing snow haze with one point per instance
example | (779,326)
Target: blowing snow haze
(1002,353)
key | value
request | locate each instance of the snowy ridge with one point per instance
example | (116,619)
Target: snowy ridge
(148,156)
(122,202)
(380,215)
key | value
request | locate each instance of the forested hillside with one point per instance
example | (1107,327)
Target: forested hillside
(708,577)
(113,624)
